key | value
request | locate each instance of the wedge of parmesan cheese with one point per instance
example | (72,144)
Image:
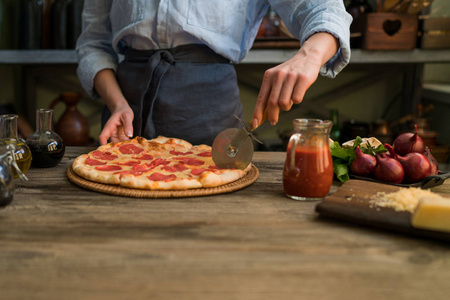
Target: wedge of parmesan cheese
(402,200)
(432,213)
(429,210)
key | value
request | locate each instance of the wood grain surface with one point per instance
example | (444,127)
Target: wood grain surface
(59,241)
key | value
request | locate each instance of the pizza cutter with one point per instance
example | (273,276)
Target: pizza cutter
(233,147)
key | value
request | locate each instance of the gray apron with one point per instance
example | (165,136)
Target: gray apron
(187,92)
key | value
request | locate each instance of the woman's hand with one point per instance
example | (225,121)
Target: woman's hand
(287,83)
(119,127)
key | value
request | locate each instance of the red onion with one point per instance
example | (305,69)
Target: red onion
(416,167)
(390,153)
(363,164)
(433,161)
(389,170)
(408,142)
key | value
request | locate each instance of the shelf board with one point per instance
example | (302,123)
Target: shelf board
(38,57)
(255,56)
(358,56)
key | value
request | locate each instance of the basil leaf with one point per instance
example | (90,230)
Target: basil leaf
(341,172)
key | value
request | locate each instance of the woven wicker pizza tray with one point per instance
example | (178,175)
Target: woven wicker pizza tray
(241,183)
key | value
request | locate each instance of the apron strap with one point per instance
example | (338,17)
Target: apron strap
(156,67)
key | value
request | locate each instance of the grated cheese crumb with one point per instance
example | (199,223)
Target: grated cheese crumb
(403,200)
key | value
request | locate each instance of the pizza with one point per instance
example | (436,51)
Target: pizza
(158,164)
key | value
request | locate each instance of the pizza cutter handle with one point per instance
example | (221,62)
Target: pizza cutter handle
(264,118)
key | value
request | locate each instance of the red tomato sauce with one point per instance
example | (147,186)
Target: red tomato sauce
(312,173)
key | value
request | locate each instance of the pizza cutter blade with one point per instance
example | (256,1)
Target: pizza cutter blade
(233,147)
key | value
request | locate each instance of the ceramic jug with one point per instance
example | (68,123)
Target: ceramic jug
(72,126)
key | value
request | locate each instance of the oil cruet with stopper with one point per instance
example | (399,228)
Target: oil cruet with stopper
(9,136)
(7,165)
(47,147)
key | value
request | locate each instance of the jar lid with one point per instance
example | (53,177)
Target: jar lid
(7,154)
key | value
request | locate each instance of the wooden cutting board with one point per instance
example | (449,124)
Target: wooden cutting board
(352,202)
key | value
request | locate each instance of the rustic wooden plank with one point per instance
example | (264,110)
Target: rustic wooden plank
(58,241)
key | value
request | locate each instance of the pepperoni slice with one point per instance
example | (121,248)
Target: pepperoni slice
(213,167)
(141,168)
(130,149)
(171,169)
(190,161)
(157,162)
(144,156)
(129,163)
(94,162)
(104,155)
(174,152)
(205,154)
(161,177)
(197,171)
(108,168)
(180,167)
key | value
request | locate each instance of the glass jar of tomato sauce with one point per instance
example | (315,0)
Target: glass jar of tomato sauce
(308,170)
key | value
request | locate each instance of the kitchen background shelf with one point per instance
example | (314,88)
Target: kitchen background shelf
(256,56)
(379,78)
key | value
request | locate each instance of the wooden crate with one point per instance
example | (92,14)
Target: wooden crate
(436,33)
(390,31)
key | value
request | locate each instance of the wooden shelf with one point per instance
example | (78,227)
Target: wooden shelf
(358,56)
(255,56)
(38,57)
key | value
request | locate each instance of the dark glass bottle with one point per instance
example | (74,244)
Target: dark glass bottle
(357,9)
(9,136)
(47,147)
(46,23)
(335,133)
(9,24)
(30,24)
(59,23)
(74,25)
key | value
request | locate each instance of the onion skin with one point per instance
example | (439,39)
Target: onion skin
(433,161)
(416,167)
(408,142)
(363,164)
(390,153)
(389,170)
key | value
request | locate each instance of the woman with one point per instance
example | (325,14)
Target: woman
(177,77)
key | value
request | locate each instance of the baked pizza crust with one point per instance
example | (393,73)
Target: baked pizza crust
(79,167)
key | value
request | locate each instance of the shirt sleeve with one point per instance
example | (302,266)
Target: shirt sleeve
(94,46)
(304,18)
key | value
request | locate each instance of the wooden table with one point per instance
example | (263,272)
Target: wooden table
(59,241)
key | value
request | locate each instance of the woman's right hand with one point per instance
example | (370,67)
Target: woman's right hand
(119,126)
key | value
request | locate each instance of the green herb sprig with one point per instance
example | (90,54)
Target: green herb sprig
(343,157)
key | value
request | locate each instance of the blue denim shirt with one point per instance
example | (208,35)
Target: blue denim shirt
(228,27)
